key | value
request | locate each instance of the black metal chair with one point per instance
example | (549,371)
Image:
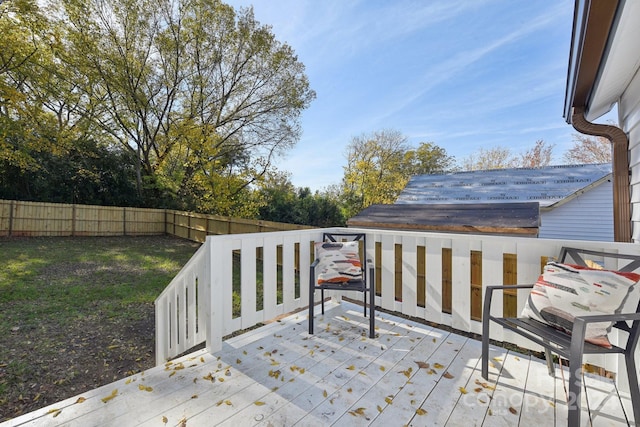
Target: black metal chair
(350,274)
(572,346)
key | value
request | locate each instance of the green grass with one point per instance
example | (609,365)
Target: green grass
(69,277)
(77,313)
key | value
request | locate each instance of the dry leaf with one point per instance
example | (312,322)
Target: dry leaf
(438,366)
(421,411)
(80,400)
(349,390)
(477,390)
(128,381)
(447,375)
(183,422)
(172,374)
(389,399)
(463,390)
(422,365)
(379,408)
(164,419)
(208,377)
(220,402)
(244,352)
(201,359)
(145,388)
(258,403)
(382,368)
(238,361)
(513,410)
(54,411)
(113,394)
(228,402)
(324,393)
(221,379)
(195,396)
(351,368)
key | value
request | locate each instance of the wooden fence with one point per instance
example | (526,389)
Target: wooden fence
(18,218)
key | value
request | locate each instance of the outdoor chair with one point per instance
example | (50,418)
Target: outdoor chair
(567,337)
(341,264)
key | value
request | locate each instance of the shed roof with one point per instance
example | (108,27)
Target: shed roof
(506,218)
(546,185)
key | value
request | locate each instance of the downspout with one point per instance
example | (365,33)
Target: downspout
(620,166)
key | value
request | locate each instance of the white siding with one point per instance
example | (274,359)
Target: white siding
(587,217)
(629,112)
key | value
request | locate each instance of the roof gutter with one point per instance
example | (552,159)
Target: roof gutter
(592,24)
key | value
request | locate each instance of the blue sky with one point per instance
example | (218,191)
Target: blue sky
(463,74)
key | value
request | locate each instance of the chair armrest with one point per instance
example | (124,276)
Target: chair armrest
(315,263)
(580,326)
(486,309)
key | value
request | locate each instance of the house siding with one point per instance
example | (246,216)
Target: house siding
(629,113)
(589,216)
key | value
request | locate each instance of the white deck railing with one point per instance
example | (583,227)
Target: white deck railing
(197,306)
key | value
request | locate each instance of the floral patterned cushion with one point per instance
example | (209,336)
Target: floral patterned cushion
(339,262)
(565,291)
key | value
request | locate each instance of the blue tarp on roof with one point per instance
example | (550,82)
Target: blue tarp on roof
(546,185)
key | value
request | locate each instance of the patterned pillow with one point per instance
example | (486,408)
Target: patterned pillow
(565,291)
(339,262)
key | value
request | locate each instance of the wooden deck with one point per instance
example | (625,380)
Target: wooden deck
(278,375)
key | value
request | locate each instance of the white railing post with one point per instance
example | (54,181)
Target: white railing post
(218,265)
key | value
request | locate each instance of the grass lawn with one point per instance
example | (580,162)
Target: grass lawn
(77,313)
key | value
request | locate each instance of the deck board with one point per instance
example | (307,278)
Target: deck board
(279,375)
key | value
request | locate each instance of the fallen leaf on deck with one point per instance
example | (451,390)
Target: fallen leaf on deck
(80,400)
(513,410)
(183,422)
(244,352)
(422,365)
(201,359)
(195,396)
(324,393)
(113,394)
(477,390)
(55,412)
(219,402)
(145,388)
(447,375)
(221,379)
(351,368)
(438,366)
(172,374)
(208,377)
(227,373)
(379,408)
(349,390)
(228,402)
(389,399)
(164,419)
(463,390)
(382,368)
(258,403)
(420,411)
(238,361)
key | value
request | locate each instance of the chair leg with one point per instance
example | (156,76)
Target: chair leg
(632,376)
(575,388)
(485,348)
(549,357)
(311,304)
(364,302)
(322,296)
(372,314)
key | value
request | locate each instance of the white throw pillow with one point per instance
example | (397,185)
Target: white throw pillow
(565,291)
(339,262)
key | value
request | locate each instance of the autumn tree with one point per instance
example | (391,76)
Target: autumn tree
(490,158)
(540,155)
(203,96)
(379,165)
(588,149)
